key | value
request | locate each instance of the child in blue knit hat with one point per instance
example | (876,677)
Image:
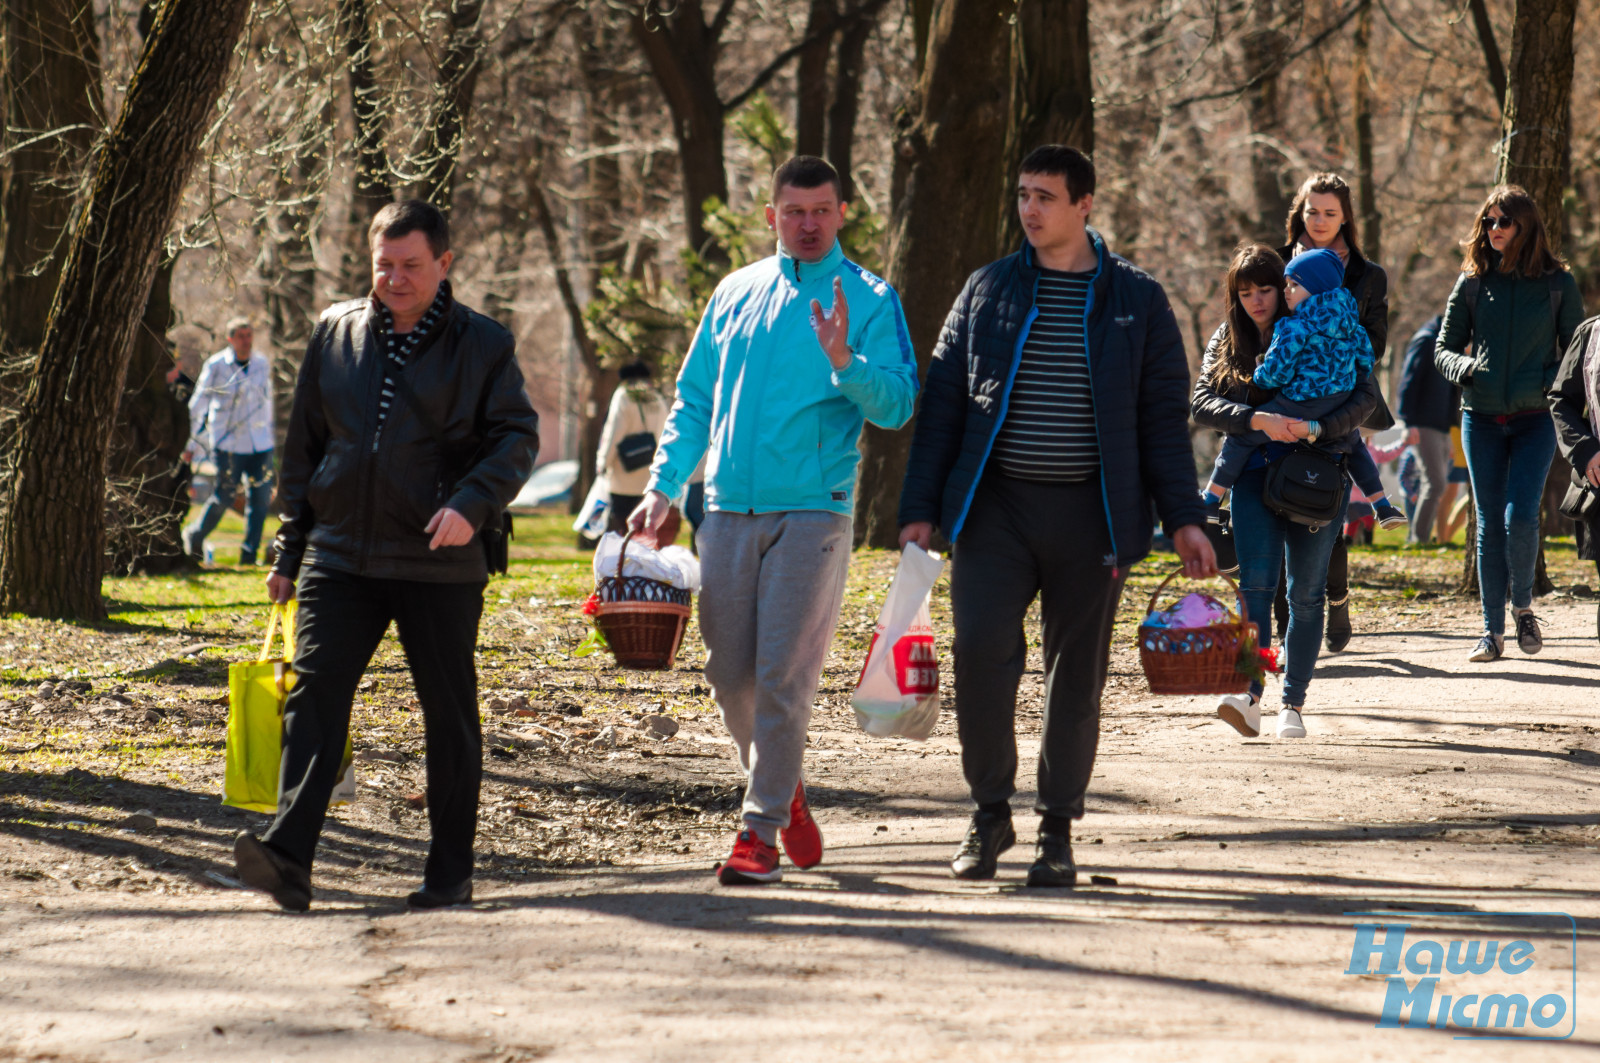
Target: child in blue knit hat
(1319,353)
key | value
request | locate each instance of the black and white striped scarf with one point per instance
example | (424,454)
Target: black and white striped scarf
(399,348)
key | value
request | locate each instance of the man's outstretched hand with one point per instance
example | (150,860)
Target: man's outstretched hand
(1194,550)
(833,327)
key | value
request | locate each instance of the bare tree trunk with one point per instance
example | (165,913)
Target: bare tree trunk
(52,530)
(458,80)
(1264,46)
(1052,94)
(945,215)
(49,80)
(1493,67)
(811,80)
(681,48)
(373,184)
(1371,220)
(846,105)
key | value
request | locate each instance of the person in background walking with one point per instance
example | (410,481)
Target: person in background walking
(1574,399)
(780,418)
(1322,216)
(410,433)
(1270,548)
(1429,405)
(628,440)
(232,406)
(1052,425)
(1517,307)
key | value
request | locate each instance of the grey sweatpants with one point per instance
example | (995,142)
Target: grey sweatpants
(1433,452)
(770,589)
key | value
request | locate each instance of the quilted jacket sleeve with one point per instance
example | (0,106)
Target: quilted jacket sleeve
(942,418)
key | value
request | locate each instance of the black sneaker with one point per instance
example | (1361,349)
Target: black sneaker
(1529,639)
(1338,633)
(989,835)
(429,897)
(262,867)
(1388,516)
(1052,863)
(1489,648)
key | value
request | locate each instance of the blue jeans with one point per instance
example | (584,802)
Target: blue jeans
(256,471)
(1508,462)
(1267,543)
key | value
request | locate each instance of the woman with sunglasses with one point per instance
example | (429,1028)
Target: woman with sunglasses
(1321,217)
(1516,306)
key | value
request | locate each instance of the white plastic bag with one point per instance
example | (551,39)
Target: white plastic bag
(898,692)
(595,512)
(674,564)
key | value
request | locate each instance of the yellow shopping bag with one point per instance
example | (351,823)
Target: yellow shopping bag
(256,693)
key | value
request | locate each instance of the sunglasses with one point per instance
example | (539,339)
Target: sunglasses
(1501,222)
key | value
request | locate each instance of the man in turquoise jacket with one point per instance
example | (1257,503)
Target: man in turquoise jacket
(777,420)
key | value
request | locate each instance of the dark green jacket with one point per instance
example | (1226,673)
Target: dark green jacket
(1516,345)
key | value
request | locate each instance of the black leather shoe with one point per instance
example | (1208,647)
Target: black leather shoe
(1052,863)
(1339,632)
(987,837)
(428,897)
(261,867)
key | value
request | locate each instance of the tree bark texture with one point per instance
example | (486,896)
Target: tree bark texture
(52,528)
(1535,145)
(846,103)
(811,80)
(49,81)
(1264,46)
(945,215)
(373,184)
(146,498)
(681,49)
(458,81)
(1052,95)
(1494,67)
(1371,220)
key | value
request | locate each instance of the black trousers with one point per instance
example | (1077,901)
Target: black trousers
(1021,541)
(342,619)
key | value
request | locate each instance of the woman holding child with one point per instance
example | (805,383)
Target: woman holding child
(1316,365)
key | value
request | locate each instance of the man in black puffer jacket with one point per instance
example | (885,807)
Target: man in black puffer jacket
(1055,411)
(410,434)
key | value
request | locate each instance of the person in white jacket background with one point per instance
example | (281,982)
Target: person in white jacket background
(230,416)
(628,441)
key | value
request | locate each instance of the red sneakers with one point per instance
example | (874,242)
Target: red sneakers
(802,841)
(752,861)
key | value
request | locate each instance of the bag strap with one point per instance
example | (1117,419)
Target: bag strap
(286,614)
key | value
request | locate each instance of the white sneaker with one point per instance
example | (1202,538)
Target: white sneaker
(1289,723)
(1242,712)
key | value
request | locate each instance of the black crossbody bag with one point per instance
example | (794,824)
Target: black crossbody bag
(495,536)
(1306,485)
(637,449)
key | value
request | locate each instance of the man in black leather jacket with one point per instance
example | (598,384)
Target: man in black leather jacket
(1053,416)
(410,434)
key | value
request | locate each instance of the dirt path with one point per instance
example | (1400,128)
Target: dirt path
(1218,930)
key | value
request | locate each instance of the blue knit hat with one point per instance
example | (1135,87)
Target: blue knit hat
(1316,271)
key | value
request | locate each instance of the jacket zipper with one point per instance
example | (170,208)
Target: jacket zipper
(1105,495)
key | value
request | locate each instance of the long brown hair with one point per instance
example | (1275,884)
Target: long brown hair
(1527,252)
(1324,184)
(1235,363)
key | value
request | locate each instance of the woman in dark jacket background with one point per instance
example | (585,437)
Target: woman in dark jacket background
(1575,405)
(1271,549)
(1518,307)
(1320,217)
